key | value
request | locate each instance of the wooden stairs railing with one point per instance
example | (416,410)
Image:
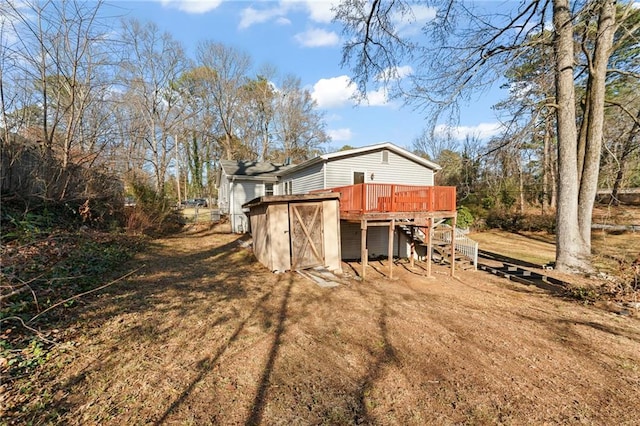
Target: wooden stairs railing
(466,249)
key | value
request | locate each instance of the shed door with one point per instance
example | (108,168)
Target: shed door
(305,224)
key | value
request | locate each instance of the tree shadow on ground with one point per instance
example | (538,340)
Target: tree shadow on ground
(255,417)
(206,364)
(172,285)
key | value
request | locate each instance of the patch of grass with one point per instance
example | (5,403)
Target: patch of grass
(55,267)
(529,248)
(586,295)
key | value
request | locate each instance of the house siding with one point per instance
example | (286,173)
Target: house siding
(377,241)
(241,192)
(305,180)
(398,170)
(223,194)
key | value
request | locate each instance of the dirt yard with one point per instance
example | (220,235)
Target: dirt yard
(203,334)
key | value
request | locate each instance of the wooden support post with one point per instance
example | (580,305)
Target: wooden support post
(392,227)
(453,245)
(413,246)
(429,245)
(364,254)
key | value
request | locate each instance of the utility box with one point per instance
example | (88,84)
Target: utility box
(296,232)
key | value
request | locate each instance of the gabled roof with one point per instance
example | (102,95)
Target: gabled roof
(363,150)
(253,169)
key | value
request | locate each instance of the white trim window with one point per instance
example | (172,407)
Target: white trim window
(268,188)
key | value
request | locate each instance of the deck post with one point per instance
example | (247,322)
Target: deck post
(453,245)
(429,245)
(363,247)
(392,226)
(413,246)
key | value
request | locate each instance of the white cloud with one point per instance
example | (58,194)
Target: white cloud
(333,92)
(250,16)
(409,25)
(317,11)
(340,91)
(482,131)
(339,135)
(378,97)
(395,73)
(192,6)
(317,37)
(283,21)
(320,11)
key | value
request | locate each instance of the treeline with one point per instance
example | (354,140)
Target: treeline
(519,168)
(123,96)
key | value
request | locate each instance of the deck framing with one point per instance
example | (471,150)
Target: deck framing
(423,220)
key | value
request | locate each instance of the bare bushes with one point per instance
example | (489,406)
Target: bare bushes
(151,212)
(517,222)
(32,171)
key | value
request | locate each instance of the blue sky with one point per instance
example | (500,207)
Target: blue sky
(298,37)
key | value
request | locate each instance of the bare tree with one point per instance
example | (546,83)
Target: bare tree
(432,145)
(468,48)
(231,68)
(299,125)
(259,99)
(155,60)
(64,49)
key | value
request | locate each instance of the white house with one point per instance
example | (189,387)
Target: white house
(379,163)
(242,181)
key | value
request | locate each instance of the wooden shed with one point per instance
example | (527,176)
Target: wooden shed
(294,232)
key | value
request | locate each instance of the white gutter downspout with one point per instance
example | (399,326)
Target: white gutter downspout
(324,175)
(231,205)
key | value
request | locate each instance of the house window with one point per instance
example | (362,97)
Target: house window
(358,177)
(268,189)
(287,187)
(385,157)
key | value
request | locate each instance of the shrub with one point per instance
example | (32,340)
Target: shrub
(515,222)
(152,213)
(465,217)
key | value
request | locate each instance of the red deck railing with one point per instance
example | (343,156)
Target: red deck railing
(383,198)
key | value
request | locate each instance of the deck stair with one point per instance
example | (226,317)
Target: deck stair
(466,256)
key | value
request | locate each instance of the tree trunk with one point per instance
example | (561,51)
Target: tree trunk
(177,159)
(228,150)
(569,256)
(595,124)
(520,187)
(546,154)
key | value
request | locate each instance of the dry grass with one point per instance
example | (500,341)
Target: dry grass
(535,248)
(611,215)
(613,252)
(201,214)
(205,335)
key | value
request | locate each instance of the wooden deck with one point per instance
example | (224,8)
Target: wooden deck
(379,204)
(379,200)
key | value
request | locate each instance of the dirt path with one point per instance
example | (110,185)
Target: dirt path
(205,335)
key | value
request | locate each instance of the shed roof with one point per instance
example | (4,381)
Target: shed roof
(274,199)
